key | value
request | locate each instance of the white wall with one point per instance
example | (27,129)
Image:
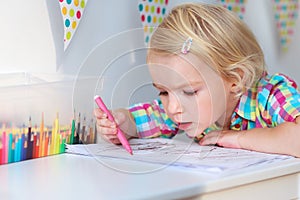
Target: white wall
(31,40)
(101,20)
(26,41)
(260,18)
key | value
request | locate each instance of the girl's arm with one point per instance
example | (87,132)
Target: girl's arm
(282,139)
(107,129)
(142,120)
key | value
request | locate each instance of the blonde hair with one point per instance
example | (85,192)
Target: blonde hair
(220,39)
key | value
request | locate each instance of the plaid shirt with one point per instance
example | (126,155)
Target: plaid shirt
(274,100)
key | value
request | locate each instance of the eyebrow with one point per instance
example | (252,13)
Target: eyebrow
(158,86)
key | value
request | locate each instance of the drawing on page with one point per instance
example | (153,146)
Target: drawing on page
(150,147)
(144,146)
(204,153)
(180,154)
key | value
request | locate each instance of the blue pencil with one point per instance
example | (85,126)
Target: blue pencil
(10,148)
(17,142)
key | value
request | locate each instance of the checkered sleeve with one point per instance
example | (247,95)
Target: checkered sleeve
(282,99)
(152,121)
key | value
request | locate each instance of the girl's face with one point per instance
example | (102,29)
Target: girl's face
(193,95)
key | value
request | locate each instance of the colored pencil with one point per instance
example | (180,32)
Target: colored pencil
(82,135)
(35,138)
(41,138)
(5,147)
(23,145)
(45,148)
(30,138)
(77,131)
(10,147)
(73,129)
(18,147)
(1,149)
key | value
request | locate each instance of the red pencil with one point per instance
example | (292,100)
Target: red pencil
(1,151)
(5,148)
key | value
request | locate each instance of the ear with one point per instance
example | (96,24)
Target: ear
(237,85)
(235,88)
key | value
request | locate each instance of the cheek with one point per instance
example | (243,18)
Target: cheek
(218,92)
(204,109)
(201,109)
(165,103)
(219,99)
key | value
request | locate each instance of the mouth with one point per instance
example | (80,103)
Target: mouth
(184,125)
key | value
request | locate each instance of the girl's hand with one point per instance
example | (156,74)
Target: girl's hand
(228,138)
(108,129)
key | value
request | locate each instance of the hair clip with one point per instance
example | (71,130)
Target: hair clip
(187,45)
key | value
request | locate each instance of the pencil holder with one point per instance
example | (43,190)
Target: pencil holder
(41,113)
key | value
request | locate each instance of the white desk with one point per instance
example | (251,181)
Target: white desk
(68,176)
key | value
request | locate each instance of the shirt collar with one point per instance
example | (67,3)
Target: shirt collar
(246,107)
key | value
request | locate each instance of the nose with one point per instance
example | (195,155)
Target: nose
(174,105)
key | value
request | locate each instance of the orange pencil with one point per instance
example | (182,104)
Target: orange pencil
(41,139)
(49,145)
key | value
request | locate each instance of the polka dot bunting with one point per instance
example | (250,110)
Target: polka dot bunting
(72,11)
(237,6)
(152,13)
(286,13)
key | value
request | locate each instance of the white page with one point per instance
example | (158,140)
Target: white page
(180,153)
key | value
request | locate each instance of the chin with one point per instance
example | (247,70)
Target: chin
(193,132)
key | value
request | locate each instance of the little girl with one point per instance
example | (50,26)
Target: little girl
(212,82)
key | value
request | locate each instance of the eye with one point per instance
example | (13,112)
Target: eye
(163,93)
(190,93)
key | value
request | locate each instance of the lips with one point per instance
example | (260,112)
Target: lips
(184,125)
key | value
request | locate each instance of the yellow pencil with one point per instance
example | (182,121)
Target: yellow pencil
(52,141)
(45,145)
(58,134)
(55,136)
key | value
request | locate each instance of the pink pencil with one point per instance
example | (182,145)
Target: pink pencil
(5,148)
(120,134)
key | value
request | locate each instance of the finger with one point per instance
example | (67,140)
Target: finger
(111,138)
(297,120)
(106,123)
(209,139)
(99,113)
(106,130)
(115,141)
